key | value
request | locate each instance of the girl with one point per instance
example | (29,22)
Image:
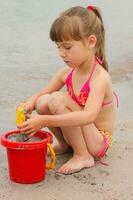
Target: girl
(83,118)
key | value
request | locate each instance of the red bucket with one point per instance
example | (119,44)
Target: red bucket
(27,160)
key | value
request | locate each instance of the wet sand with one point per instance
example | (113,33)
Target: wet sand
(113,182)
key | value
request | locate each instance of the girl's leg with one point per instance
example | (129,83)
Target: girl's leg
(83,151)
(86,141)
(41,107)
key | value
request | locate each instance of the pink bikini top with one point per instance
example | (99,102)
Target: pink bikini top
(85,90)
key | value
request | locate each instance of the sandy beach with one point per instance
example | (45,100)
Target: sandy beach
(113,182)
(28,61)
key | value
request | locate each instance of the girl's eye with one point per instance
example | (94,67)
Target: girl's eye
(67,48)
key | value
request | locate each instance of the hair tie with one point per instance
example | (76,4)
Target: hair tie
(90,8)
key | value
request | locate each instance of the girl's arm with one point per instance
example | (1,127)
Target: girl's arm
(55,84)
(76,118)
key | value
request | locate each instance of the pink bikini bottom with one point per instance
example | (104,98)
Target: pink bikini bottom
(107,141)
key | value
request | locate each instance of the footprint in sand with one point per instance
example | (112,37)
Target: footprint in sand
(85,179)
(104,173)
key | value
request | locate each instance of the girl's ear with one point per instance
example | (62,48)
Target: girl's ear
(91,41)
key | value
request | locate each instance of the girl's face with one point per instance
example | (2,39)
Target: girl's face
(73,53)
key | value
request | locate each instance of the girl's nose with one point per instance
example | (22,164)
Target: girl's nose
(62,53)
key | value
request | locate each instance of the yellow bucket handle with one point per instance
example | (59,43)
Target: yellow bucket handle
(51,165)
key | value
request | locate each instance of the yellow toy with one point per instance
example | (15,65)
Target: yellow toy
(20,116)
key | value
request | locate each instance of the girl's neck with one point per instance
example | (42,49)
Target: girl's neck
(86,66)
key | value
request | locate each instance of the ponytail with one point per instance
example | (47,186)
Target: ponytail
(100,48)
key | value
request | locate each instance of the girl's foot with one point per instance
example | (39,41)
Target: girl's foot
(60,149)
(75,164)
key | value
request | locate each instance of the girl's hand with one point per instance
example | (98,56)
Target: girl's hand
(33,124)
(29,107)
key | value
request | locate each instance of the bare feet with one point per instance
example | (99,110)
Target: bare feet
(60,149)
(75,164)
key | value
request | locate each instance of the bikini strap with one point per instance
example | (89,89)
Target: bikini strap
(68,80)
(117,99)
(99,60)
(92,70)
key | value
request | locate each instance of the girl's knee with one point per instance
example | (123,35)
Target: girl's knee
(56,101)
(41,104)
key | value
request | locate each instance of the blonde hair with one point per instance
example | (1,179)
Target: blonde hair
(78,23)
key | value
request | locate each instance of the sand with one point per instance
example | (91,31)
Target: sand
(113,182)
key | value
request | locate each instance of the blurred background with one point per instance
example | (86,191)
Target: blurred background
(28,58)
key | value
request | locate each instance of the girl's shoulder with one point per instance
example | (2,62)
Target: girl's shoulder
(102,74)
(63,73)
(101,79)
